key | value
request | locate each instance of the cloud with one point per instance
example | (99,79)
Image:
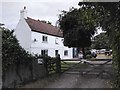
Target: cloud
(39,9)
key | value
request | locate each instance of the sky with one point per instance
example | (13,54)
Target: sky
(37,9)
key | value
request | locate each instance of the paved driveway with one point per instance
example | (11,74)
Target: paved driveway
(73,79)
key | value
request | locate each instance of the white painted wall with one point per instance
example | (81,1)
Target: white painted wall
(51,46)
(23,34)
(26,39)
(23,31)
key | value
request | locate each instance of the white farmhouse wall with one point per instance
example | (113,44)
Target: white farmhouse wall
(51,46)
(26,39)
(23,34)
(70,53)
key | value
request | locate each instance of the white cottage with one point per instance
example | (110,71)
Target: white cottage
(41,38)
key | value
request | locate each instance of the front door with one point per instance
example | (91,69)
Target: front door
(56,52)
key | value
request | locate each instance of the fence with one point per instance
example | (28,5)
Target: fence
(20,74)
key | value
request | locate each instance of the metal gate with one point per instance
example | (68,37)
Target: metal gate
(101,68)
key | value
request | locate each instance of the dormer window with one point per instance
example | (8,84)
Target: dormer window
(44,39)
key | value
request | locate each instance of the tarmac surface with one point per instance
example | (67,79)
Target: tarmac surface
(93,76)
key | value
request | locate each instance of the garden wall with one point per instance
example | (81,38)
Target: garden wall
(21,74)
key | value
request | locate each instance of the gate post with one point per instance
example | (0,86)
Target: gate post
(46,65)
(58,64)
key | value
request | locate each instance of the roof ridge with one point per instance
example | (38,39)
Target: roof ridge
(37,25)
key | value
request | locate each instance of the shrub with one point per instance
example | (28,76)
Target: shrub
(12,52)
(88,56)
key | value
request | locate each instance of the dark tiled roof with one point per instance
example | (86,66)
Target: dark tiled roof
(38,26)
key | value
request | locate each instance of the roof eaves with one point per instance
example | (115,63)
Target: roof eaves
(48,33)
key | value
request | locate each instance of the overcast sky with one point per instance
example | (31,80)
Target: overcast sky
(37,9)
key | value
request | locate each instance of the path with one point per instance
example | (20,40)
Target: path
(76,81)
(73,79)
(70,81)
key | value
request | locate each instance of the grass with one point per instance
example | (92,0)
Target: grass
(110,57)
(67,65)
(100,57)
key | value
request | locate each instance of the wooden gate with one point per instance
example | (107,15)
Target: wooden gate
(52,65)
(69,64)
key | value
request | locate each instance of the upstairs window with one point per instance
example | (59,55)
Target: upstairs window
(44,39)
(56,41)
(62,40)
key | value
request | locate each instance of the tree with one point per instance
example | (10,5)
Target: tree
(12,52)
(110,21)
(78,26)
(102,14)
(101,41)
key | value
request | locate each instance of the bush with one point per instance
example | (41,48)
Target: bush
(88,52)
(12,52)
(88,56)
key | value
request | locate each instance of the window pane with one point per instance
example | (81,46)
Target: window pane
(56,41)
(44,52)
(44,38)
(66,53)
(56,52)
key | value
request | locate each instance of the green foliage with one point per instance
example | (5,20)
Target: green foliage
(88,56)
(12,52)
(101,41)
(78,26)
(112,26)
(78,23)
(50,64)
(49,59)
(88,53)
(110,21)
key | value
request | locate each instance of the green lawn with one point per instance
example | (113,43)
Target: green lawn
(100,56)
(67,65)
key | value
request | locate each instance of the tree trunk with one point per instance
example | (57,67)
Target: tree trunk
(83,51)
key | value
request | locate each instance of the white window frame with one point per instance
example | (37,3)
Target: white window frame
(44,39)
(56,41)
(45,52)
(65,52)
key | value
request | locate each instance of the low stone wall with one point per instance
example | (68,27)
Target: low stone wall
(21,74)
